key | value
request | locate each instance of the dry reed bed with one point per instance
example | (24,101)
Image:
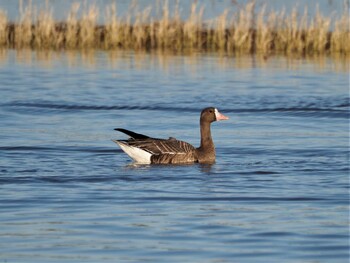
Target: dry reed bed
(245,31)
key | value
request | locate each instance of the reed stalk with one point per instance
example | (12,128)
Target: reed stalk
(72,27)
(23,29)
(88,36)
(45,32)
(3,29)
(245,30)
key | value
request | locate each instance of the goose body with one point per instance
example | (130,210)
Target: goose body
(146,150)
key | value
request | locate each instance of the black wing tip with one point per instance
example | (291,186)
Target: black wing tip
(132,134)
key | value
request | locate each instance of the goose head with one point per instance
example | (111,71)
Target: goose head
(212,114)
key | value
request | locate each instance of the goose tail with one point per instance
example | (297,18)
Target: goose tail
(135,153)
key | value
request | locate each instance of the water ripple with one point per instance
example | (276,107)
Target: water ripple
(340,110)
(57,149)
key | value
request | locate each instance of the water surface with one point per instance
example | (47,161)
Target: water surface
(279,191)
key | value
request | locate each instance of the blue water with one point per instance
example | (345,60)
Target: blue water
(278,192)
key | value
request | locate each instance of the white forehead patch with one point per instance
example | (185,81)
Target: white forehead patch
(216,113)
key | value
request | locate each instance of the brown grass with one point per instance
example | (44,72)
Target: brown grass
(245,31)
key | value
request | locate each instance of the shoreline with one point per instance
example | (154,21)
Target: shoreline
(245,32)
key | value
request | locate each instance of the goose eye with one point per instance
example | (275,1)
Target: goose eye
(210,111)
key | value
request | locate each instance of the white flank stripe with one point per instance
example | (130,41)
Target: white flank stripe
(137,154)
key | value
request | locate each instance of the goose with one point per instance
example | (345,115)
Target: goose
(146,150)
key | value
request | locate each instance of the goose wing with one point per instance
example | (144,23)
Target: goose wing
(162,146)
(152,150)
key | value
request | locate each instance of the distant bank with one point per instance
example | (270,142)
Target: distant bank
(246,31)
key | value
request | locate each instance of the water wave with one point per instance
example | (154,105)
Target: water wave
(88,149)
(340,109)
